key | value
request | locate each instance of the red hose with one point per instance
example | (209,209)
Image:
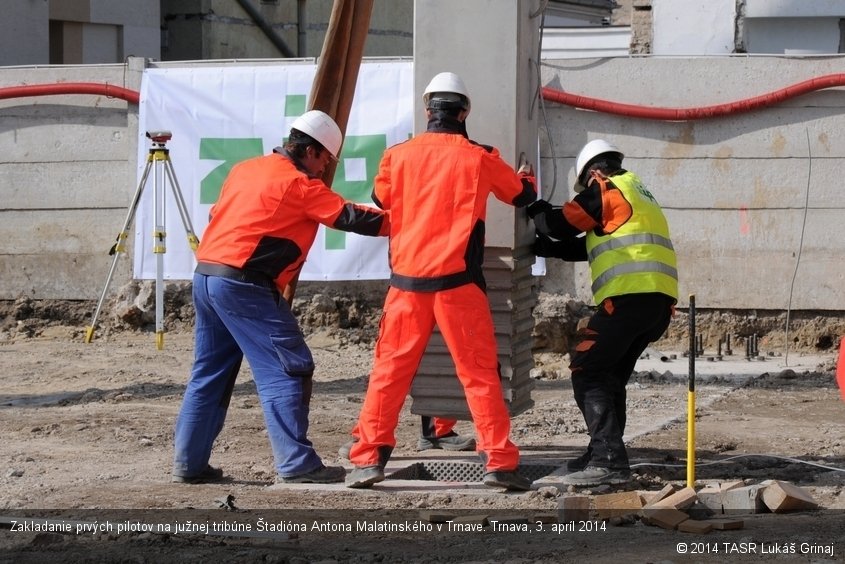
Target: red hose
(685,114)
(559,96)
(58,88)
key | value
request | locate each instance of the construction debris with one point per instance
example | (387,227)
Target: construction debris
(686,509)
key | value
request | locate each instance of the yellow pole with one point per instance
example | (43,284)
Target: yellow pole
(691,397)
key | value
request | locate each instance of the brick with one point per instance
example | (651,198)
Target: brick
(781,497)
(665,517)
(695,526)
(618,504)
(545,518)
(436,516)
(573,508)
(681,499)
(743,500)
(711,496)
(732,485)
(654,497)
(727,524)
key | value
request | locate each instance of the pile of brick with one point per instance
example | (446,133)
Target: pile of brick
(715,506)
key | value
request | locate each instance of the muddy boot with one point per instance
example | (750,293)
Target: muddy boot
(581,462)
(451,441)
(597,476)
(210,474)
(508,479)
(321,475)
(363,477)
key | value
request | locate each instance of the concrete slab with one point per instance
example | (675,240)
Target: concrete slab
(735,366)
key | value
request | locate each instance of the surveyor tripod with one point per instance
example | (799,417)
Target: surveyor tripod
(159,163)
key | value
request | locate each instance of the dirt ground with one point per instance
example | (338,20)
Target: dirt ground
(87,439)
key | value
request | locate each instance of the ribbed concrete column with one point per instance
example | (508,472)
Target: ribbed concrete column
(492,45)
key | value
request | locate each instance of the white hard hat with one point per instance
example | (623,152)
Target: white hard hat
(590,151)
(447,82)
(322,128)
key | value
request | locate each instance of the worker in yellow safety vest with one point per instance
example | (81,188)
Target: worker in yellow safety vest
(635,286)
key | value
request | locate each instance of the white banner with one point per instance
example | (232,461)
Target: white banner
(222,115)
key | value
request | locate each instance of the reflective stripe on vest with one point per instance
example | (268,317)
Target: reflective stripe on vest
(638,257)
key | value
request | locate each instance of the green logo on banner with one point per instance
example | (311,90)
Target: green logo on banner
(353,178)
(231,152)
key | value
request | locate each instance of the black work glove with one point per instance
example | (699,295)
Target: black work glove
(538,207)
(544,246)
(573,249)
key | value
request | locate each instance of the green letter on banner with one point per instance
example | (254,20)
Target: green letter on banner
(354,176)
(231,152)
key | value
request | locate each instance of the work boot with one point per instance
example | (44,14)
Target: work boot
(507,479)
(322,475)
(578,464)
(597,476)
(451,441)
(365,477)
(343,451)
(210,474)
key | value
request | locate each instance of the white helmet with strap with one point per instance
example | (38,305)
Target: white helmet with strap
(448,87)
(322,128)
(590,151)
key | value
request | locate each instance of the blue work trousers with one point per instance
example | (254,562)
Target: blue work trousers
(236,319)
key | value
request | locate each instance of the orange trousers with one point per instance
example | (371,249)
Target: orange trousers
(442,427)
(463,317)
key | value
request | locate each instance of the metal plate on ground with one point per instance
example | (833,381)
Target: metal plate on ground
(446,471)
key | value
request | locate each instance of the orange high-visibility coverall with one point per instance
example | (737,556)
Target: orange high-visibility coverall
(436,187)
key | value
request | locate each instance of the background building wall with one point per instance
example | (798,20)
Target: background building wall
(24,33)
(735,188)
(223,29)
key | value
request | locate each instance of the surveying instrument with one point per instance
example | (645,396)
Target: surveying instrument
(158,161)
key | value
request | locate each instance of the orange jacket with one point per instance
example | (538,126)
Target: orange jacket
(267,216)
(436,187)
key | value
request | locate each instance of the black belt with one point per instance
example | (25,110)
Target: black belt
(232,273)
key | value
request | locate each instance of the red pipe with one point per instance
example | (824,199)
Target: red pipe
(58,88)
(684,114)
(559,96)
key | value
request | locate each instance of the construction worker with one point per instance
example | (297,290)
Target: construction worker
(436,187)
(435,433)
(257,239)
(635,287)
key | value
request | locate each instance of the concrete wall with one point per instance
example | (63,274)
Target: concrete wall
(735,189)
(67,175)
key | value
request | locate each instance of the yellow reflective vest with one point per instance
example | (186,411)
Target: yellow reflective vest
(637,257)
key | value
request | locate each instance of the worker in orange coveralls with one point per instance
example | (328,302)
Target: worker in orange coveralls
(436,187)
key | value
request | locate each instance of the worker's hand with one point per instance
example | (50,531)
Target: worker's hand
(525,169)
(571,249)
(538,207)
(544,246)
